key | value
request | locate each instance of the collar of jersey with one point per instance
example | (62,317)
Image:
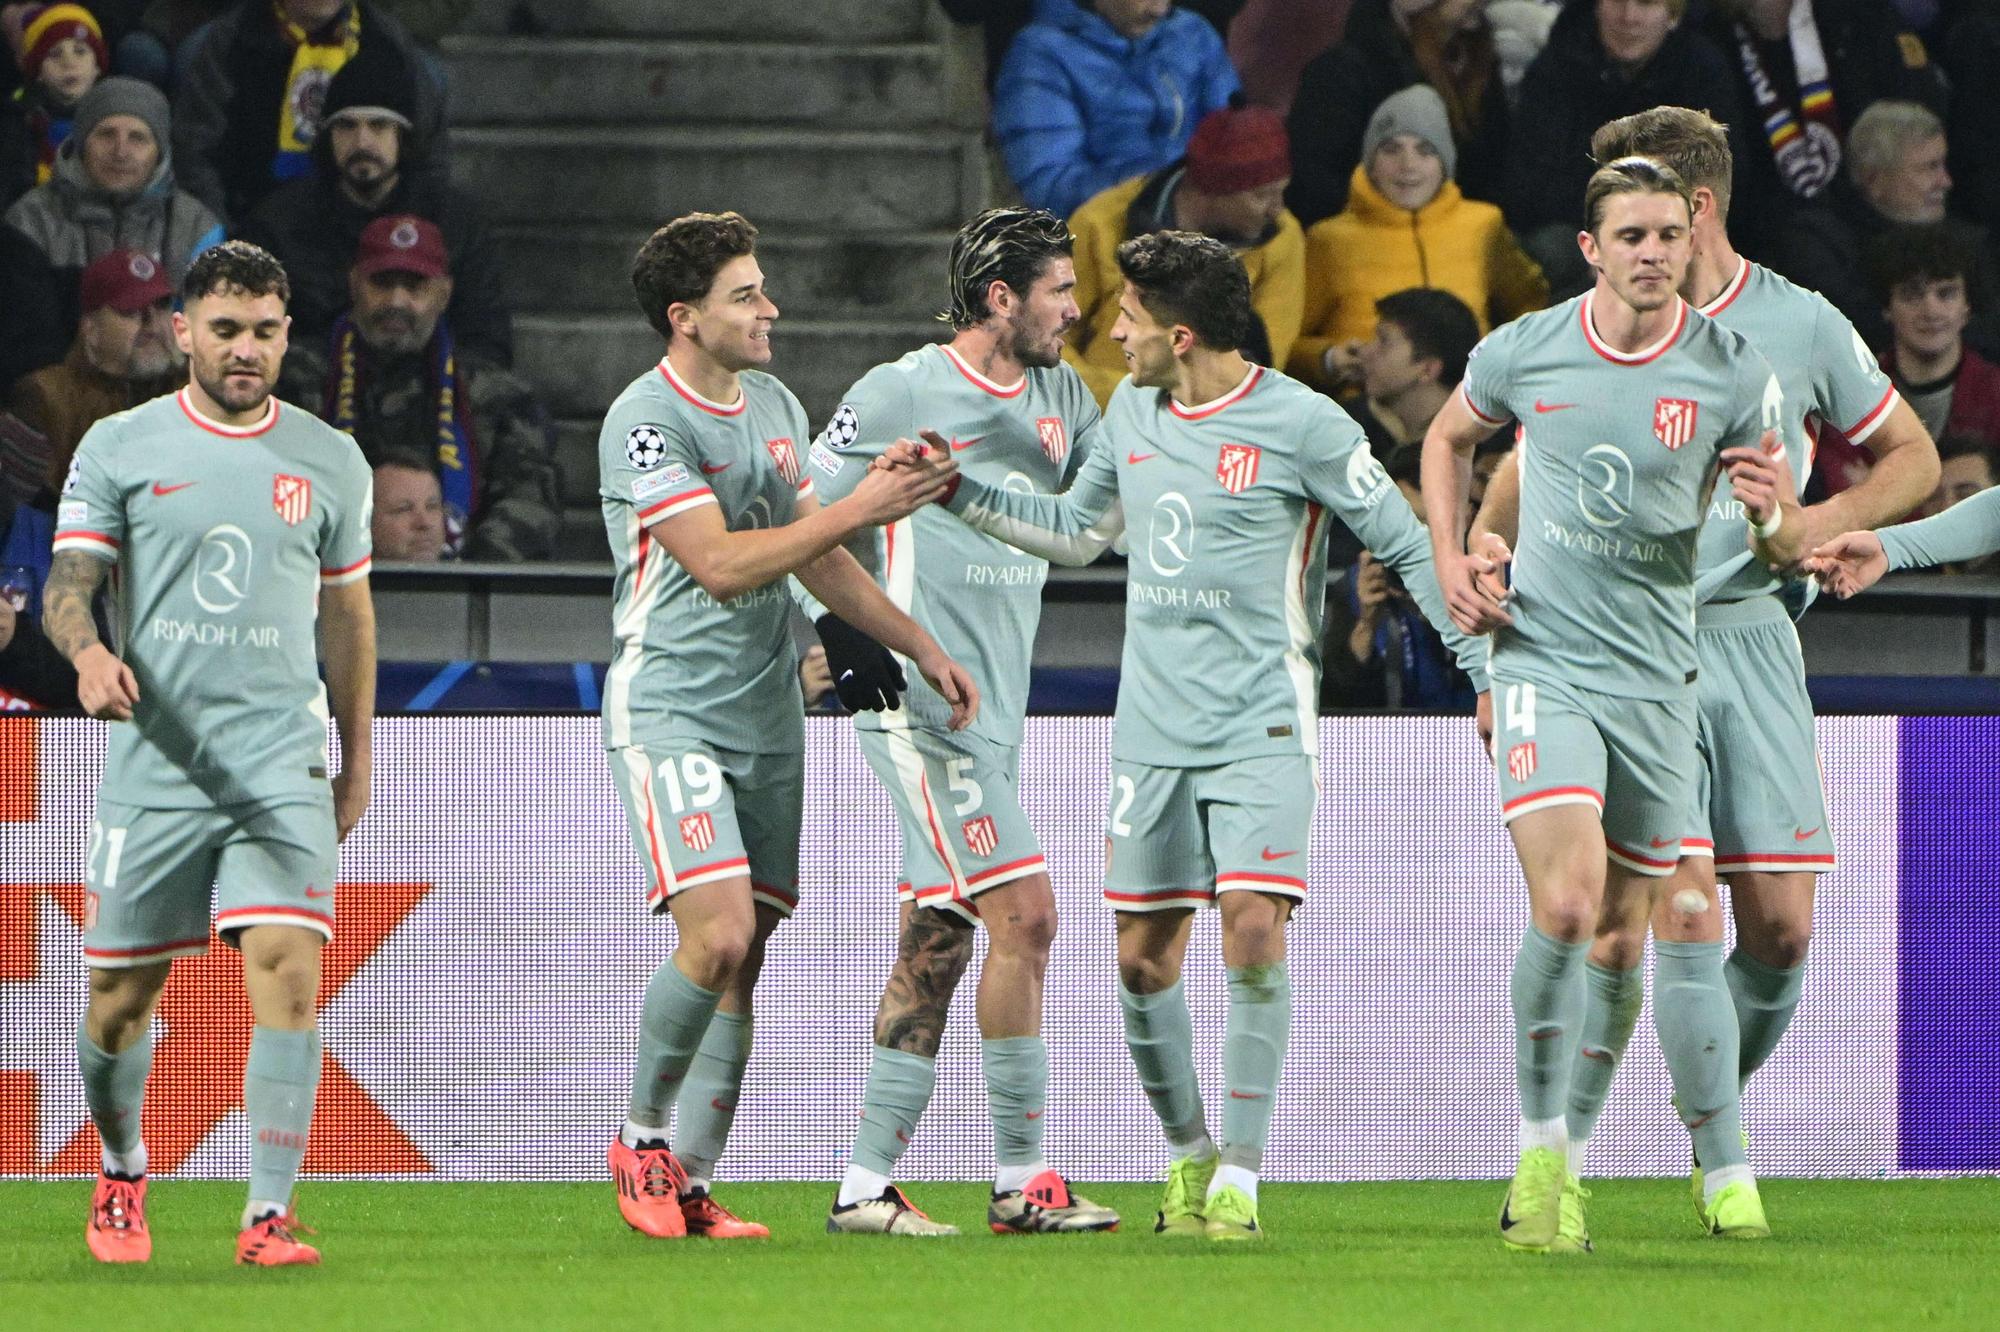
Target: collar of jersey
(1008,391)
(1644,354)
(1730,290)
(232,432)
(709,405)
(1211,408)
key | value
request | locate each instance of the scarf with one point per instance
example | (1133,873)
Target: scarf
(1805,144)
(457,449)
(314,63)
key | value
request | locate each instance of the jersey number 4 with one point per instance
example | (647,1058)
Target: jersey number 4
(1517,710)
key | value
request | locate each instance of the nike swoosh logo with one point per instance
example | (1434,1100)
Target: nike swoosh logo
(1703,1120)
(159,489)
(1136,458)
(1545,1035)
(1658,844)
(1235,1095)
(726,1107)
(1032,1114)
(710,469)
(1602,1056)
(902,1137)
(319,892)
(966,443)
(1507,1221)
(1269,854)
(1545,407)
(1806,835)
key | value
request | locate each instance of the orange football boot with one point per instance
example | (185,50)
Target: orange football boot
(649,1189)
(274,1242)
(117,1230)
(709,1219)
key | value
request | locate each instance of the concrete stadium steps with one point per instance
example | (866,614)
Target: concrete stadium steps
(587,270)
(582,362)
(824,180)
(626,83)
(769,20)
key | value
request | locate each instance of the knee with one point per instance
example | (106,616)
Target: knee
(1570,917)
(1781,944)
(1619,949)
(122,1000)
(720,950)
(291,977)
(1027,931)
(1144,974)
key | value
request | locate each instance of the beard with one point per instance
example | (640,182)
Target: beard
(365,172)
(394,334)
(152,360)
(234,395)
(1037,349)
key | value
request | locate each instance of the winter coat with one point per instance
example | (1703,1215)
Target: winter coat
(1276,266)
(1340,90)
(519,507)
(1078,108)
(315,229)
(63,401)
(27,122)
(1374,248)
(1574,86)
(227,104)
(53,232)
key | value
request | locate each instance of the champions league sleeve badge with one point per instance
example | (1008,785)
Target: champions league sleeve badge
(645,447)
(843,429)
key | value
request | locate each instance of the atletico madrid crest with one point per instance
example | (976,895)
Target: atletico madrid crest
(981,835)
(1673,420)
(1521,761)
(1236,468)
(292,497)
(698,832)
(1055,439)
(786,457)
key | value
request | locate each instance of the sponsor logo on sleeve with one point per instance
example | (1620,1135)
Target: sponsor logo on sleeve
(72,511)
(645,447)
(824,458)
(645,487)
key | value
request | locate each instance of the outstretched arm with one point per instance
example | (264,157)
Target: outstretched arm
(1856,561)
(1074,527)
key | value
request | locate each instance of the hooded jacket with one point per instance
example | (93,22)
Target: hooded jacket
(1340,90)
(315,228)
(1574,86)
(53,232)
(1079,108)
(1276,264)
(1374,248)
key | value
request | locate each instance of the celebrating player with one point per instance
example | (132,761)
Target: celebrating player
(1758,816)
(235,519)
(1624,400)
(1014,414)
(1853,562)
(708,510)
(1223,472)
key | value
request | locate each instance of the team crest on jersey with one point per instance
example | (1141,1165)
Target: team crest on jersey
(292,497)
(786,457)
(698,832)
(1521,761)
(1236,469)
(982,835)
(1673,420)
(1055,438)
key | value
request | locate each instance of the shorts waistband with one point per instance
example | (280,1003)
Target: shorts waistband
(1738,614)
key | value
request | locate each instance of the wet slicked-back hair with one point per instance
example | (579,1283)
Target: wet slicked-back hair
(678,263)
(1693,144)
(1631,175)
(1010,245)
(235,266)
(1186,278)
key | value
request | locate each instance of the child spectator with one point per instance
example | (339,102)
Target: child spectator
(1406,225)
(61,57)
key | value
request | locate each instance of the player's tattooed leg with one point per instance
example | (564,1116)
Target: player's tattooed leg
(931,957)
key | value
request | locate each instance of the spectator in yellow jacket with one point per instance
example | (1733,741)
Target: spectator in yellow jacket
(1405,225)
(1231,185)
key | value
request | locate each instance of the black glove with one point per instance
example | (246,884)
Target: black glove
(865,673)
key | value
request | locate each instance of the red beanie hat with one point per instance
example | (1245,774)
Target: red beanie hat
(1238,148)
(55,23)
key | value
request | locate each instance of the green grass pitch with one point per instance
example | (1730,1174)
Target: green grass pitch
(1904,1253)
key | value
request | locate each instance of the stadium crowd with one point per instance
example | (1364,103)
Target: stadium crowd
(1398,176)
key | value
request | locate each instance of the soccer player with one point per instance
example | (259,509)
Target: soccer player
(235,520)
(1625,399)
(709,509)
(1223,473)
(1758,816)
(1013,414)
(1853,562)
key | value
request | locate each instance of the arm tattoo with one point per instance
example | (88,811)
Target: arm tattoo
(73,581)
(930,958)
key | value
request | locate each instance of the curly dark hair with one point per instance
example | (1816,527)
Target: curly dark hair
(1182,277)
(1932,252)
(1010,245)
(235,266)
(678,263)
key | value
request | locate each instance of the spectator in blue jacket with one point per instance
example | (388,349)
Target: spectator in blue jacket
(1095,92)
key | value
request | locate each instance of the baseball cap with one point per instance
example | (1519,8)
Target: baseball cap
(401,243)
(126,280)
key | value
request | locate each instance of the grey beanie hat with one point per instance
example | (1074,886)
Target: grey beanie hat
(123,97)
(1416,110)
